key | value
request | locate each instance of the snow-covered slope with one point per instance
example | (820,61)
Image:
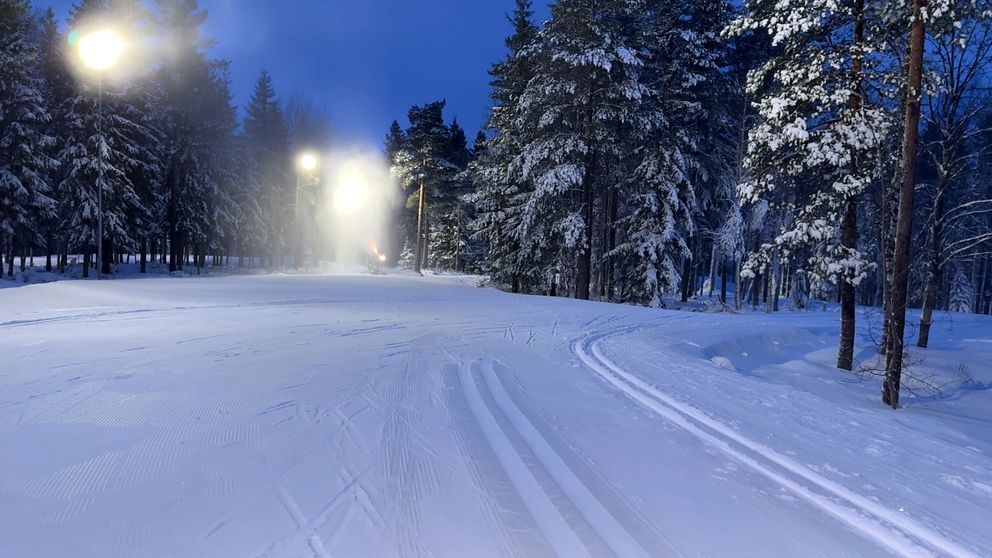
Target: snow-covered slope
(399,416)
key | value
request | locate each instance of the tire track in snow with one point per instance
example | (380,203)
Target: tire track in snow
(901,534)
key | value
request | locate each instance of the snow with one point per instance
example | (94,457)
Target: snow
(354,415)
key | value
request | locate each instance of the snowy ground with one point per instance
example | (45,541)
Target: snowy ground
(389,416)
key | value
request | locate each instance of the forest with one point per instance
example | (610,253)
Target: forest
(766,156)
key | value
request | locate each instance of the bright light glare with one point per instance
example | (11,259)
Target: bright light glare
(382,258)
(349,197)
(101,50)
(308,162)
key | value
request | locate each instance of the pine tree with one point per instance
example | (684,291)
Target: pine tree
(425,167)
(266,137)
(962,296)
(59,86)
(811,154)
(503,194)
(450,205)
(198,183)
(583,99)
(25,163)
(679,155)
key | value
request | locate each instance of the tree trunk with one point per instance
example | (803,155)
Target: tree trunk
(848,302)
(714,254)
(49,241)
(86,265)
(687,282)
(418,263)
(904,219)
(143,262)
(776,277)
(611,242)
(583,260)
(723,281)
(933,263)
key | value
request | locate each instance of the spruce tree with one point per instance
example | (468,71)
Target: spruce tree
(502,192)
(199,180)
(582,100)
(25,163)
(424,167)
(266,137)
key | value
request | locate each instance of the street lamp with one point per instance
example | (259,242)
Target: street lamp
(100,50)
(309,163)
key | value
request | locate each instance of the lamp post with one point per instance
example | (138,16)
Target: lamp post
(100,50)
(308,163)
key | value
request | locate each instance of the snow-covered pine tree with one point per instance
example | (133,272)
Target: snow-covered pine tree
(266,136)
(25,164)
(811,154)
(578,108)
(404,219)
(962,295)
(502,192)
(424,167)
(449,205)
(101,115)
(59,86)
(199,183)
(678,146)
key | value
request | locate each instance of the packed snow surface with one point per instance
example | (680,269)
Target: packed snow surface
(355,416)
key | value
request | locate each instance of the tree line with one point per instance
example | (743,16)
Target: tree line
(182,178)
(646,151)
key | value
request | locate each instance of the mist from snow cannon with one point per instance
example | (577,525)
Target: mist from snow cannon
(357,206)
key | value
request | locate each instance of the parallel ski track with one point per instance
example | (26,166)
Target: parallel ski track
(560,535)
(887,527)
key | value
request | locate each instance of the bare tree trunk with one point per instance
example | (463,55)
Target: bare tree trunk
(714,256)
(49,243)
(773,278)
(738,284)
(723,280)
(933,263)
(418,263)
(688,281)
(583,261)
(849,223)
(904,220)
(848,303)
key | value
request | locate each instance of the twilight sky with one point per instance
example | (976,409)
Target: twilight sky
(365,61)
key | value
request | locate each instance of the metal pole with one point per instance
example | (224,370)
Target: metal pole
(99,181)
(299,227)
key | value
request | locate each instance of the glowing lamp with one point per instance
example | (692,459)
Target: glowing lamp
(308,162)
(101,50)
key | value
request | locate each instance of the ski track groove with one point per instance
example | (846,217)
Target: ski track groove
(886,527)
(563,540)
(496,514)
(603,523)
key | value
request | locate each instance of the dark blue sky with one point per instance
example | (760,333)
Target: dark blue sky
(365,61)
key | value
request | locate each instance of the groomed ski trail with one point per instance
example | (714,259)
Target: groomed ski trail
(556,529)
(900,534)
